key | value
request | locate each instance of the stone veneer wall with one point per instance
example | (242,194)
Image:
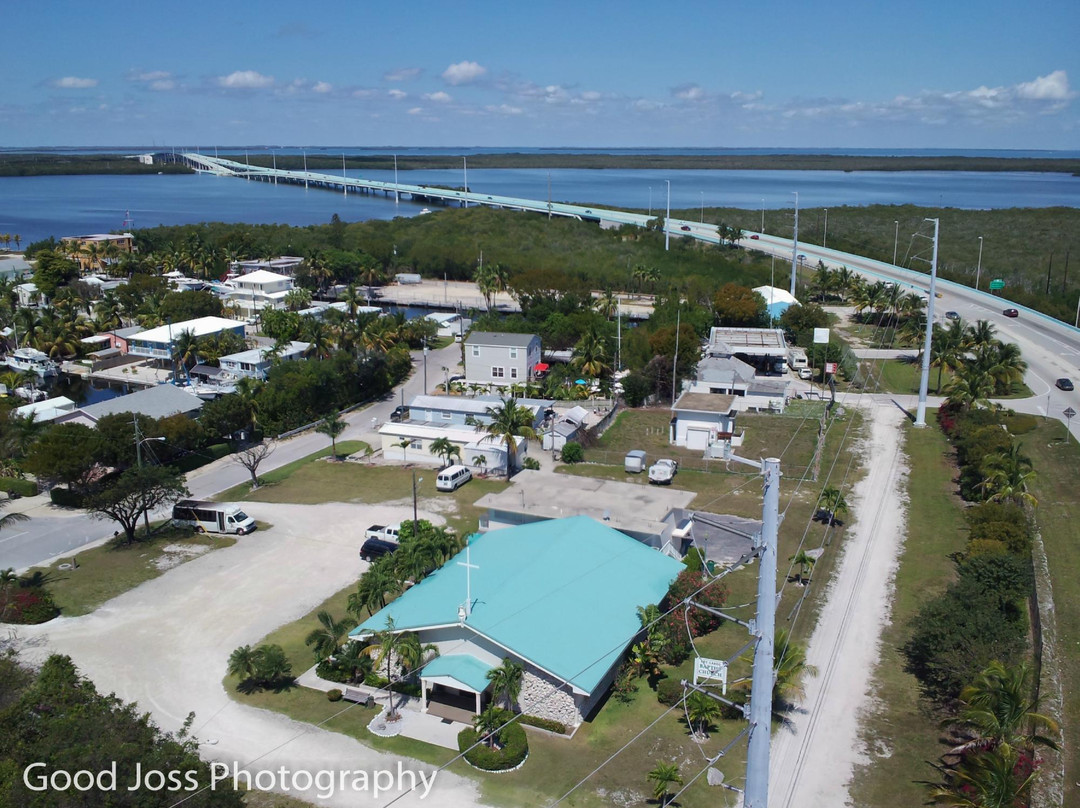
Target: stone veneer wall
(541,696)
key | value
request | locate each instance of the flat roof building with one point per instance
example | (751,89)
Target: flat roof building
(157,342)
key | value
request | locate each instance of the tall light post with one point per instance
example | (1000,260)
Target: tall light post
(978,267)
(650,200)
(397,192)
(344,177)
(762,217)
(425,365)
(465,168)
(924,378)
(273,154)
(825,232)
(896,241)
(794,245)
(305,170)
(703,207)
(667,224)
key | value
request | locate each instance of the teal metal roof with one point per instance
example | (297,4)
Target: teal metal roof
(562,594)
(464,668)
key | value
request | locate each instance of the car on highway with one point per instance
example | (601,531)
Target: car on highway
(754,237)
(1011,313)
(802,257)
(1064,384)
(685,227)
(952,315)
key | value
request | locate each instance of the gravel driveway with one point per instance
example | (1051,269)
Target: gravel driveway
(166,644)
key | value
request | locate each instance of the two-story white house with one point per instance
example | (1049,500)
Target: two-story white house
(256,362)
(260,290)
(500,359)
(157,342)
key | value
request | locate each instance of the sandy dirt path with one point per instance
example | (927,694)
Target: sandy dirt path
(165,644)
(813,759)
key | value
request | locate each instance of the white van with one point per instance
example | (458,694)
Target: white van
(452,478)
(212,517)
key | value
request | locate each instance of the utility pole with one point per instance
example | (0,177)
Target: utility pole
(825,232)
(757,753)
(794,245)
(924,379)
(344,187)
(397,192)
(675,361)
(896,241)
(415,521)
(465,164)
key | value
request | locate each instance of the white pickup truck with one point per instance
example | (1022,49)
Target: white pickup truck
(662,472)
(385,532)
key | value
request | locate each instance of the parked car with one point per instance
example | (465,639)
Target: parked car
(399,414)
(806,373)
(376,548)
(1011,313)
(387,533)
(952,315)
(662,472)
(1064,384)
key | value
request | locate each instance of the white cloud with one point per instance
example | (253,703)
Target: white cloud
(245,80)
(74,83)
(463,73)
(363,93)
(440,97)
(1051,87)
(397,95)
(416,110)
(504,109)
(149,75)
(402,74)
(322,87)
(688,92)
(163,85)
(591,95)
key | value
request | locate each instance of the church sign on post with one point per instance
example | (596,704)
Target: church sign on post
(710,669)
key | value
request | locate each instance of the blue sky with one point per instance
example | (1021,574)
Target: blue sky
(866,74)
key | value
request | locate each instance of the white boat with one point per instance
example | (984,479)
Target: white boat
(31,393)
(422,212)
(32,360)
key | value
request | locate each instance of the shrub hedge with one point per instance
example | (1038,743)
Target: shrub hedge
(512,739)
(14,485)
(26,606)
(66,498)
(328,671)
(190,462)
(333,694)
(572,452)
(669,691)
(544,723)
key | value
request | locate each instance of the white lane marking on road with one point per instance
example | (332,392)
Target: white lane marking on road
(14,536)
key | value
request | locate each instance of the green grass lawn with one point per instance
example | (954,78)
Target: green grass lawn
(901,735)
(310,483)
(344,449)
(1058,517)
(764,434)
(112,569)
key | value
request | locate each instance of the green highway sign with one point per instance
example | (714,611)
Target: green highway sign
(997,283)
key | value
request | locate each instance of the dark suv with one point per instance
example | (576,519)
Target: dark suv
(376,548)
(399,414)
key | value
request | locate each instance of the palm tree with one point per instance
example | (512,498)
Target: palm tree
(998,710)
(591,352)
(248,389)
(790,667)
(983,332)
(332,426)
(663,776)
(702,711)
(488,723)
(996,779)
(371,589)
(806,564)
(353,300)
(415,559)
(317,336)
(412,654)
(186,349)
(508,422)
(506,681)
(1007,476)
(480,462)
(1008,366)
(444,448)
(607,304)
(243,662)
(384,648)
(8,519)
(329,636)
(970,387)
(352,659)
(833,502)
(404,445)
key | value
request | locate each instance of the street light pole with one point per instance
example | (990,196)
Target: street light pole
(425,365)
(924,378)
(397,191)
(415,521)
(139,440)
(667,223)
(978,267)
(650,200)
(825,233)
(762,217)
(703,207)
(896,241)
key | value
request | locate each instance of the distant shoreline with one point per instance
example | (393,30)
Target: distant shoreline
(46,164)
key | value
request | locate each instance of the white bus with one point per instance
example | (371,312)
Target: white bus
(212,517)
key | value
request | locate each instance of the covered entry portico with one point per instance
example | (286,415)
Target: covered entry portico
(454,686)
